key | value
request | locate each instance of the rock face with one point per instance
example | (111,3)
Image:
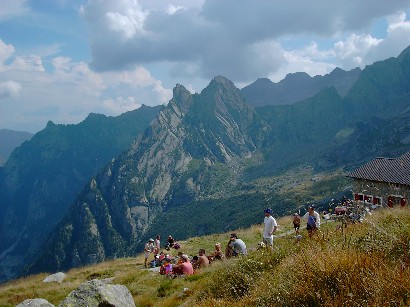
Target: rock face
(96,293)
(43,176)
(194,135)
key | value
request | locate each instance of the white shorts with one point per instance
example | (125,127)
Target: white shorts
(268,241)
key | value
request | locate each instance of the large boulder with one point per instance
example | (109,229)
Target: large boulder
(37,302)
(99,293)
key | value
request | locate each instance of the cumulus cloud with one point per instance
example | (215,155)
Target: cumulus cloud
(9,89)
(120,105)
(397,39)
(355,50)
(237,39)
(141,48)
(68,91)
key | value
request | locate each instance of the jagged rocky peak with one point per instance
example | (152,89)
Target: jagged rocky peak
(222,91)
(181,97)
(223,82)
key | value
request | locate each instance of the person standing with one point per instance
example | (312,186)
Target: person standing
(270,226)
(296,223)
(149,248)
(157,245)
(313,220)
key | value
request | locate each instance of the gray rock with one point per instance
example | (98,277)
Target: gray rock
(37,302)
(99,293)
(57,277)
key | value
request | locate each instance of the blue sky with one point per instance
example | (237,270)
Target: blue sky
(62,59)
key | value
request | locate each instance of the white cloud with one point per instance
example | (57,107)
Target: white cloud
(69,91)
(397,39)
(120,105)
(5,53)
(28,63)
(236,39)
(128,20)
(139,79)
(12,8)
(172,9)
(303,60)
(9,89)
(139,49)
(352,51)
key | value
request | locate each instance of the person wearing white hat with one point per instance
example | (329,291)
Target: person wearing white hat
(149,248)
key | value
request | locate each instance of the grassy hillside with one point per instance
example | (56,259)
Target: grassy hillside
(363,264)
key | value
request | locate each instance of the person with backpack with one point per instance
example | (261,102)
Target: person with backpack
(313,220)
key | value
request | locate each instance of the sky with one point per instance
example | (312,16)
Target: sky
(63,59)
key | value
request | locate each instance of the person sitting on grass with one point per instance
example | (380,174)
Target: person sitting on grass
(217,254)
(185,268)
(202,260)
(170,243)
(228,250)
(166,267)
(237,245)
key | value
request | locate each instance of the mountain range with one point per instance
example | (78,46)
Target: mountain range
(207,162)
(9,140)
(43,176)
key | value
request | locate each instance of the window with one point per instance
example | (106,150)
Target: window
(396,200)
(377,200)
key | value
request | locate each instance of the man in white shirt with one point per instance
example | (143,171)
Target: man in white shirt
(270,227)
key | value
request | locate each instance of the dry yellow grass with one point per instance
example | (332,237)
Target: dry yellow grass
(362,265)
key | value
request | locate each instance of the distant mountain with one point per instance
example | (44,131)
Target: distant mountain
(209,161)
(190,152)
(9,140)
(44,175)
(297,87)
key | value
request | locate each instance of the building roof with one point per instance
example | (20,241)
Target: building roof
(391,170)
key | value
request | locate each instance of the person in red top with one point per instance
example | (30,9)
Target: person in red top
(185,268)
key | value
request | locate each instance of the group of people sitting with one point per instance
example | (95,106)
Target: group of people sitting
(184,264)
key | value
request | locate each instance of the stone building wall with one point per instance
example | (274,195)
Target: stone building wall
(381,193)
